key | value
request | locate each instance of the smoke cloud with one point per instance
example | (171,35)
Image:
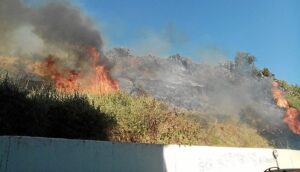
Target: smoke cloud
(212,55)
(55,28)
(63,24)
(160,43)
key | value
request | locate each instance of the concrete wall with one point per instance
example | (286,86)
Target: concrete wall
(47,154)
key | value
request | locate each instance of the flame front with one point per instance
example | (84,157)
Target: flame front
(291,117)
(97,80)
(278,96)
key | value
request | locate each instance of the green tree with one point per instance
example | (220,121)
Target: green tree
(266,72)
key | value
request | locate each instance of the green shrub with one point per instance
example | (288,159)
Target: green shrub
(294,101)
(266,72)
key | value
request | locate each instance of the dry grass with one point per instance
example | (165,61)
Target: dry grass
(145,120)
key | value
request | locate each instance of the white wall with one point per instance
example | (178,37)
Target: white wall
(48,154)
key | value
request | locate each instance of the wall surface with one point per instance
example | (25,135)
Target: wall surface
(34,154)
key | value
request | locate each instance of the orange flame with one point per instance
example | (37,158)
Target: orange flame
(278,96)
(291,117)
(97,81)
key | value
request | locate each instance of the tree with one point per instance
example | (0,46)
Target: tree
(244,63)
(266,72)
(243,58)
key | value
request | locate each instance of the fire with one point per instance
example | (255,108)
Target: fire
(292,115)
(96,81)
(65,79)
(278,96)
(292,119)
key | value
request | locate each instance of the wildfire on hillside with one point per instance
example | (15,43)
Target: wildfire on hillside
(291,117)
(97,80)
(65,50)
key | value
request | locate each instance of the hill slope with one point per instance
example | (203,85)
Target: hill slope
(235,89)
(115,117)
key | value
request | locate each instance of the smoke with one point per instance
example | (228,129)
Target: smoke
(212,55)
(12,15)
(228,89)
(152,43)
(64,32)
(63,24)
(231,93)
(160,43)
(25,42)
(55,28)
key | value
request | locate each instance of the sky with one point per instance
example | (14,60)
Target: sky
(210,30)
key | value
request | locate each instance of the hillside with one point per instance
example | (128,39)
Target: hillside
(59,80)
(162,100)
(115,117)
(235,89)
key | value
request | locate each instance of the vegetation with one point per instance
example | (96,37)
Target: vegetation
(49,114)
(266,72)
(244,63)
(115,117)
(292,94)
(293,101)
(144,119)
